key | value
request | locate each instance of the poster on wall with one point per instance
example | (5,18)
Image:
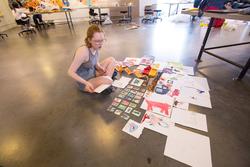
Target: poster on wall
(52,5)
(48,5)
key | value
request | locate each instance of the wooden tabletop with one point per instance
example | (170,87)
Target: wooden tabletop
(234,16)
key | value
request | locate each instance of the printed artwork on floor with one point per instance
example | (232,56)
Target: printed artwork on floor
(157,123)
(133,128)
(137,82)
(159,104)
(129,61)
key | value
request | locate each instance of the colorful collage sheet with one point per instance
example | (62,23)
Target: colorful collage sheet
(166,106)
(127,102)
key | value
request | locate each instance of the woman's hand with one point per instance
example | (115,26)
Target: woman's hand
(89,87)
(101,70)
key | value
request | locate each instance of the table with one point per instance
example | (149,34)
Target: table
(177,5)
(234,16)
(67,12)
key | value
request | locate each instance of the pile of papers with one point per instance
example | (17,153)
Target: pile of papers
(167,106)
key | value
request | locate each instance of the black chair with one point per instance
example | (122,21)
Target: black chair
(25,27)
(40,24)
(148,15)
(103,17)
(38,20)
(157,15)
(3,35)
(125,18)
(92,15)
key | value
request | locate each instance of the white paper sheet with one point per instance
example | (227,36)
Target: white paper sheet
(147,60)
(159,65)
(199,83)
(188,70)
(157,123)
(122,82)
(190,119)
(133,128)
(170,78)
(175,67)
(101,88)
(193,96)
(131,61)
(181,105)
(187,147)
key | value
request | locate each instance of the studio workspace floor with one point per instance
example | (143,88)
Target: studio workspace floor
(46,122)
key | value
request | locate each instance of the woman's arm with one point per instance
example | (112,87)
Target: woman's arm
(81,56)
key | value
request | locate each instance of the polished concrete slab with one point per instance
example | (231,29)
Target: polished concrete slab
(46,122)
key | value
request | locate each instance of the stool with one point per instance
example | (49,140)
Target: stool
(92,15)
(27,31)
(149,16)
(25,27)
(124,19)
(2,35)
(157,15)
(103,17)
(40,24)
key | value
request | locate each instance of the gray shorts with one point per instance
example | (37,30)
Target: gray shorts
(86,75)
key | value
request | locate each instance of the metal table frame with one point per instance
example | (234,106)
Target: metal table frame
(177,6)
(69,19)
(67,13)
(203,48)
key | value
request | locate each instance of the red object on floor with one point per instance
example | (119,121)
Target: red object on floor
(163,106)
(176,92)
(146,70)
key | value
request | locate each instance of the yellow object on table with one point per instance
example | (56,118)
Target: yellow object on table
(128,71)
(202,24)
(138,74)
(193,9)
(119,69)
(152,72)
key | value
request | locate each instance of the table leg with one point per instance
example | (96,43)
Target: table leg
(100,17)
(244,70)
(130,13)
(177,8)
(205,39)
(169,9)
(67,18)
(70,20)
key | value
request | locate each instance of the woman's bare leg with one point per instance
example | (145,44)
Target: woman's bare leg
(109,65)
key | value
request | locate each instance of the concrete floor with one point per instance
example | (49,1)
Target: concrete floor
(46,122)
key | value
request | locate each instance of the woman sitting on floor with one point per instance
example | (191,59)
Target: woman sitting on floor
(85,68)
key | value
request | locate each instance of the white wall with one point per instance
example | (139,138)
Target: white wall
(8,20)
